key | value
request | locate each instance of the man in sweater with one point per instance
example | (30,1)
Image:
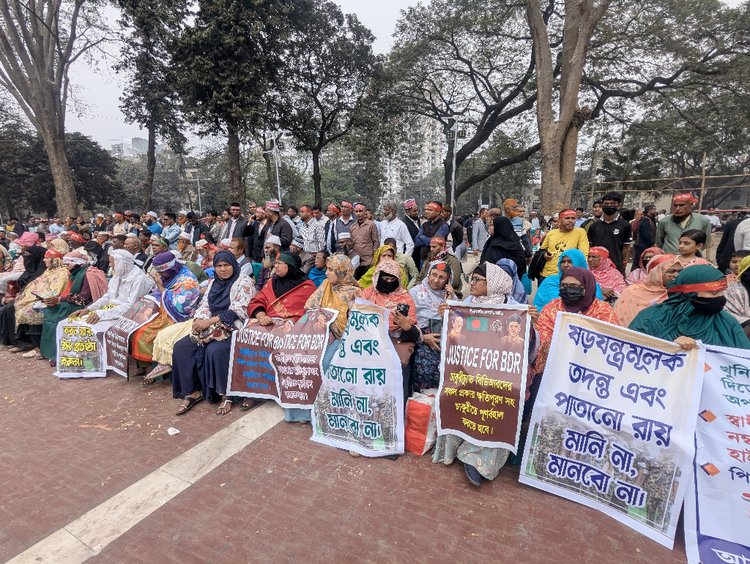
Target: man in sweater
(682,218)
(365,239)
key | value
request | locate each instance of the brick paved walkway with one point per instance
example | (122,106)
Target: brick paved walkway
(70,445)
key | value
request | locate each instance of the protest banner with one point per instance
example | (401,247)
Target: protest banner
(360,406)
(613,423)
(283,361)
(717,505)
(117,337)
(483,367)
(80,349)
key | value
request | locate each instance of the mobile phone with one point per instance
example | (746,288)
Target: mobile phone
(37,296)
(403,309)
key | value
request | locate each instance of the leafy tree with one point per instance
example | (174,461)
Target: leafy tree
(150,98)
(39,41)
(329,67)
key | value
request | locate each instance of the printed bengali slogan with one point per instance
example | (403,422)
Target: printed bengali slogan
(360,406)
(80,349)
(483,372)
(117,337)
(283,361)
(717,506)
(613,423)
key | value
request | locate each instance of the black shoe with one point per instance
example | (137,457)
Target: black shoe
(475,478)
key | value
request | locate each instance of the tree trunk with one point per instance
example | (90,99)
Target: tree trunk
(448,162)
(236,193)
(148,183)
(553,192)
(65,192)
(317,177)
(270,174)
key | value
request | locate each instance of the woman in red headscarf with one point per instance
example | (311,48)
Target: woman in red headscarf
(577,295)
(640,274)
(439,251)
(606,274)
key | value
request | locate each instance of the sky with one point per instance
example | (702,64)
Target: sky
(97,88)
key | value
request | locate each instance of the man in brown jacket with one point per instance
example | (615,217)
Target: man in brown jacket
(365,237)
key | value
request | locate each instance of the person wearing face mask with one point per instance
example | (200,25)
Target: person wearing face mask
(738,296)
(549,289)
(694,311)
(577,295)
(639,274)
(612,232)
(392,227)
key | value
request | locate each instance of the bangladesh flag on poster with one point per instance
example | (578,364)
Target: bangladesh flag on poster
(478,324)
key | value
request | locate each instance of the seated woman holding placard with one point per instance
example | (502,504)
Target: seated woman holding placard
(489,284)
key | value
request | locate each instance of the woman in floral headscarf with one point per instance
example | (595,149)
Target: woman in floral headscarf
(489,285)
(606,275)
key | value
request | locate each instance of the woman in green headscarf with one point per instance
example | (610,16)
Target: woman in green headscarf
(383,251)
(693,311)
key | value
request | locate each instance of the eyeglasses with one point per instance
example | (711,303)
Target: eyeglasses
(477,280)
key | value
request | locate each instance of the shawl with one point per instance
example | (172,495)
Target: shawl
(167,266)
(337,296)
(288,306)
(510,268)
(33,263)
(61,246)
(51,283)
(545,325)
(499,285)
(181,294)
(128,284)
(427,300)
(317,275)
(366,280)
(676,316)
(219,294)
(744,265)
(606,274)
(738,301)
(639,274)
(97,282)
(390,301)
(549,289)
(504,243)
(650,292)
(586,278)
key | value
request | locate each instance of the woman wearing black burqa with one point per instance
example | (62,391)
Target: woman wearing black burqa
(504,243)
(33,263)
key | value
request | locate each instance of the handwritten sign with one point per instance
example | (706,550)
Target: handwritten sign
(360,406)
(117,337)
(283,361)
(483,367)
(80,349)
(613,423)
(717,506)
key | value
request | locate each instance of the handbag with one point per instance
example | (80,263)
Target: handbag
(214,332)
(537,264)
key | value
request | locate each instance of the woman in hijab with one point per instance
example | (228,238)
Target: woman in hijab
(577,295)
(640,274)
(177,291)
(549,289)
(489,285)
(510,268)
(285,294)
(610,280)
(200,360)
(439,251)
(652,290)
(34,266)
(383,251)
(504,243)
(434,291)
(694,311)
(738,295)
(30,311)
(86,285)
(317,274)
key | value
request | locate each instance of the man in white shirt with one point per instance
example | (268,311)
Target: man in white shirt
(393,228)
(479,231)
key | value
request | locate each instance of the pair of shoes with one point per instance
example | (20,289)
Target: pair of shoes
(30,354)
(185,407)
(475,478)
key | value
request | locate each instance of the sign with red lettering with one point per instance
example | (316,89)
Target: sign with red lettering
(483,370)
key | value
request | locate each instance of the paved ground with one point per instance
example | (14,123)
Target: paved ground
(72,445)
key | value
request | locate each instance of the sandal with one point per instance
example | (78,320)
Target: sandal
(18,350)
(185,407)
(156,374)
(30,354)
(222,410)
(248,404)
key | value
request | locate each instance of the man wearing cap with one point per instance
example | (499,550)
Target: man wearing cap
(76,240)
(566,236)
(312,234)
(184,245)
(235,224)
(393,228)
(681,219)
(307,260)
(152,223)
(479,232)
(271,250)
(435,226)
(278,225)
(170,230)
(365,239)
(182,220)
(344,247)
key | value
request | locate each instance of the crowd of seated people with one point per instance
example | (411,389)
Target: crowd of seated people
(209,277)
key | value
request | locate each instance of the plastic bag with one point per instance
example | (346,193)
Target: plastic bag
(420,431)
